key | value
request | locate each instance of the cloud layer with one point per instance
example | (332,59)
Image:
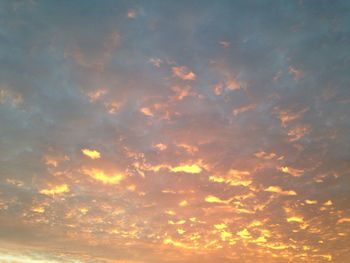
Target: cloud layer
(174,131)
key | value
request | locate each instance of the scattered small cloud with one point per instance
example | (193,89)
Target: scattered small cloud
(93,154)
(55,190)
(183,73)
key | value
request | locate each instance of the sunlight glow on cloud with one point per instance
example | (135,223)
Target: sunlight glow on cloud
(174,131)
(101,176)
(183,73)
(292,171)
(146,111)
(214,199)
(192,169)
(278,190)
(93,154)
(295,219)
(58,189)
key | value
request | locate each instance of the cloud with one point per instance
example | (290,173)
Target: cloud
(181,92)
(298,132)
(311,202)
(131,14)
(55,190)
(295,219)
(214,199)
(183,73)
(155,62)
(287,116)
(244,109)
(292,171)
(146,111)
(297,74)
(153,132)
(233,178)
(101,176)
(93,154)
(193,169)
(10,97)
(343,220)
(183,203)
(160,146)
(232,84)
(244,234)
(278,190)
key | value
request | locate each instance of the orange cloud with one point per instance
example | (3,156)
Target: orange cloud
(183,73)
(287,116)
(298,132)
(244,109)
(96,94)
(55,160)
(189,148)
(181,92)
(217,89)
(343,220)
(131,14)
(264,155)
(160,146)
(113,107)
(146,111)
(232,84)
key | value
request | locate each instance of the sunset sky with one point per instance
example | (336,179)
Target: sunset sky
(174,131)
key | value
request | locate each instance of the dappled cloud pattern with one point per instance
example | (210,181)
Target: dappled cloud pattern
(175,131)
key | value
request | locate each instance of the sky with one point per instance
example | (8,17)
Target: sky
(174,131)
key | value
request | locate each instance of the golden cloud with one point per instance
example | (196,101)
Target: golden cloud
(292,171)
(192,169)
(101,176)
(93,154)
(58,189)
(214,199)
(278,190)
